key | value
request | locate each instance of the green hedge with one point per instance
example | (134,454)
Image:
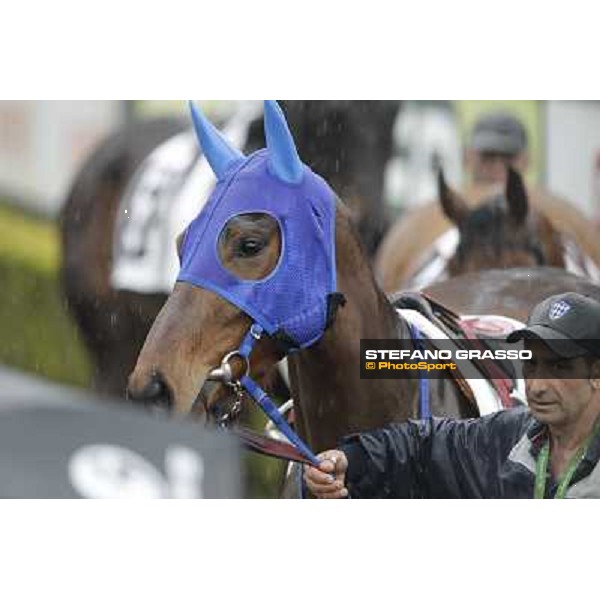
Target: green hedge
(36,333)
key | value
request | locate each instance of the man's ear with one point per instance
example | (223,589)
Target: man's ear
(595,374)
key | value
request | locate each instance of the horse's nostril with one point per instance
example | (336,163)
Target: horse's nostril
(156,393)
(155,388)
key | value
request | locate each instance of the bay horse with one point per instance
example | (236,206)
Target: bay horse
(274,249)
(485,228)
(349,142)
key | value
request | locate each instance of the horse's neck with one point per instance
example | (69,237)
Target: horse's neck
(331,398)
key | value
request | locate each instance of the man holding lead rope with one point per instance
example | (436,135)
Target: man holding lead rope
(551,449)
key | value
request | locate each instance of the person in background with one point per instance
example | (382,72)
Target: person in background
(498,140)
(551,449)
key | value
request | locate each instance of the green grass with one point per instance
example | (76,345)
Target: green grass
(29,241)
(36,333)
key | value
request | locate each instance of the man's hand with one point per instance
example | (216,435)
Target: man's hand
(328,480)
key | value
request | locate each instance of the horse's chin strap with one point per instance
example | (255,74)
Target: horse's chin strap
(245,382)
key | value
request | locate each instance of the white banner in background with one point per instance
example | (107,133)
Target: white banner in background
(573,153)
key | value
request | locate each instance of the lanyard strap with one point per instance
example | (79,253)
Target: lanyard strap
(424,405)
(541,467)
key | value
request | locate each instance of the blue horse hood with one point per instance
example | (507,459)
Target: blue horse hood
(293,299)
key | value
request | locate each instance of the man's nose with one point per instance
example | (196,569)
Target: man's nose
(497,163)
(535,388)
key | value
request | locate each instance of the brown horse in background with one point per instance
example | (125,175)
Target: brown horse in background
(113,323)
(197,328)
(495,229)
(349,142)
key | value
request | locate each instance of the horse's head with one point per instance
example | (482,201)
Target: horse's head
(500,233)
(259,257)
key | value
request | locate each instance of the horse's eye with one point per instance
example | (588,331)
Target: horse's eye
(248,247)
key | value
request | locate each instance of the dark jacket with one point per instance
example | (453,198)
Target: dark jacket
(489,457)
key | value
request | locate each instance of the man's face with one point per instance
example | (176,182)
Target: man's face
(490,167)
(558,390)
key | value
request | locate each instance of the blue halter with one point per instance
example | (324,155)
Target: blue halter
(293,303)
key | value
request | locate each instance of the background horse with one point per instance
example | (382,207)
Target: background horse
(478,231)
(349,142)
(509,292)
(197,326)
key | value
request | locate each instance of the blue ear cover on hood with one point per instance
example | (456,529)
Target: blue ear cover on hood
(219,154)
(284,161)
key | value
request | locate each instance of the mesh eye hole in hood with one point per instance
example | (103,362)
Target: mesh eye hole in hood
(250,246)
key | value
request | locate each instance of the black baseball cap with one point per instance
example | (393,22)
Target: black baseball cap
(499,132)
(569,324)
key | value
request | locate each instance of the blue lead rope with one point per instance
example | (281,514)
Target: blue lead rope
(269,408)
(266,404)
(424,405)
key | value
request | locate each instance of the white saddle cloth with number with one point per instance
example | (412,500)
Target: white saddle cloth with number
(165,194)
(485,395)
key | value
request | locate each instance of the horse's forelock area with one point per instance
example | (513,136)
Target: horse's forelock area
(485,224)
(493,229)
(488,214)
